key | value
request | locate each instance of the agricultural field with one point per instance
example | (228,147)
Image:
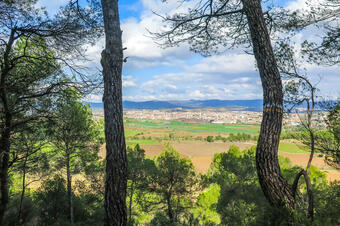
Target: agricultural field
(190,140)
(193,127)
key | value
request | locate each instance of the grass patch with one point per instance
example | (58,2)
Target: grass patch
(193,127)
(132,133)
(291,148)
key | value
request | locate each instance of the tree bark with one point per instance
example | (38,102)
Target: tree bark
(6,131)
(4,156)
(116,163)
(69,188)
(23,189)
(275,188)
(170,211)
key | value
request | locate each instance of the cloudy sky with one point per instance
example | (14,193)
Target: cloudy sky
(153,73)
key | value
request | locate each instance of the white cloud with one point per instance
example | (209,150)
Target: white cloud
(197,94)
(303,5)
(230,76)
(226,64)
(128,81)
(242,79)
(142,49)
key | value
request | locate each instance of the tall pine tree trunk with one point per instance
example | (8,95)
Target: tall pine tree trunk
(6,131)
(116,163)
(170,211)
(275,187)
(4,159)
(69,187)
(20,222)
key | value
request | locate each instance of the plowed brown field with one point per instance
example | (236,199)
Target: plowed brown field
(202,153)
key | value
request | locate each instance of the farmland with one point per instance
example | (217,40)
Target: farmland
(193,127)
(190,140)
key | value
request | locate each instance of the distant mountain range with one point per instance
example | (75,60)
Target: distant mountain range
(248,105)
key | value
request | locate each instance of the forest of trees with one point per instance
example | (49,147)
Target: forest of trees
(50,171)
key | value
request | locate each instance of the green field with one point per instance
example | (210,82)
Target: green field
(142,128)
(132,132)
(193,127)
(291,148)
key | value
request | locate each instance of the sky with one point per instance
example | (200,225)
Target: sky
(154,73)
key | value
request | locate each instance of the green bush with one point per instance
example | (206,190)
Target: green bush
(210,138)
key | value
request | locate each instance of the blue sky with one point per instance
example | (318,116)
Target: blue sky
(153,73)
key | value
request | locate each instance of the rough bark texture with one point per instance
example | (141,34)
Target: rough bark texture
(275,187)
(116,163)
(69,188)
(6,131)
(23,189)
(170,211)
(4,156)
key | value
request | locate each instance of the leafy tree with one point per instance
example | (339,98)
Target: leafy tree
(50,201)
(175,182)
(33,49)
(328,142)
(29,158)
(205,207)
(328,204)
(75,139)
(139,172)
(31,87)
(235,173)
(52,197)
(116,161)
(240,201)
(211,25)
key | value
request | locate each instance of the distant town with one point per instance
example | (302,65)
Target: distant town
(218,116)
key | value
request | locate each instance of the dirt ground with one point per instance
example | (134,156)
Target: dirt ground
(202,153)
(302,159)
(195,148)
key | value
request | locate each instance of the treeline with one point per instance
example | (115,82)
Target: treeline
(55,170)
(232,138)
(166,190)
(174,137)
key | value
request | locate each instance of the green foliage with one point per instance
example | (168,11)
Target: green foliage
(297,135)
(327,202)
(210,139)
(205,208)
(168,182)
(241,137)
(175,181)
(240,194)
(139,171)
(51,200)
(74,135)
(28,212)
(240,199)
(328,142)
